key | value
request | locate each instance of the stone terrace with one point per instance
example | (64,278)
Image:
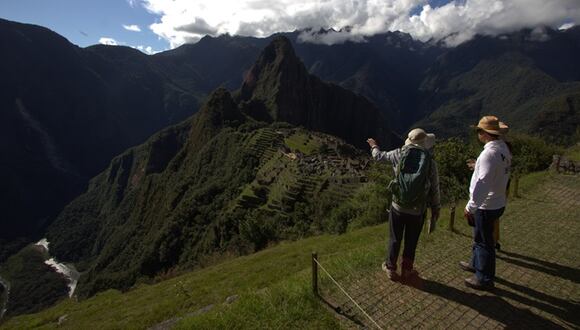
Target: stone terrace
(538,273)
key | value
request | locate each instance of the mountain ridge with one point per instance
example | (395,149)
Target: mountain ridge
(91,104)
(206,186)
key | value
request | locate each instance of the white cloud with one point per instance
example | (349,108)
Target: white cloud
(144,49)
(566,26)
(108,41)
(455,23)
(183,21)
(331,37)
(132,3)
(133,27)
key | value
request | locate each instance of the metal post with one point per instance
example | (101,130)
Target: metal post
(314,273)
(452,218)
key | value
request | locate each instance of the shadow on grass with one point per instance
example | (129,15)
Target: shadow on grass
(492,306)
(569,273)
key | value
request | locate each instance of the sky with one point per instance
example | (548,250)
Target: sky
(157,25)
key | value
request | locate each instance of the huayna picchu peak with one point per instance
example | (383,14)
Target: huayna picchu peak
(279,88)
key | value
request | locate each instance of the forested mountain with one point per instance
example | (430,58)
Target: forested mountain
(531,82)
(67,111)
(223,181)
(70,109)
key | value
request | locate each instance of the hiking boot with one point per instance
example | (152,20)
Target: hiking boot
(474,283)
(466,266)
(408,274)
(391,273)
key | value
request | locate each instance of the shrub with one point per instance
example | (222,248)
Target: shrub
(531,154)
(454,175)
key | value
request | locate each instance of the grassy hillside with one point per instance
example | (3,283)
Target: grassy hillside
(269,289)
(277,276)
(510,86)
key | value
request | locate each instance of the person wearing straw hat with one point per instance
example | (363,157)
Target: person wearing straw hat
(504,129)
(487,201)
(407,220)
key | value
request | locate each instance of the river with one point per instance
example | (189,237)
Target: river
(68,270)
(4,297)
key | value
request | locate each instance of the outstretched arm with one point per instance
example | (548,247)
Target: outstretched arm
(388,156)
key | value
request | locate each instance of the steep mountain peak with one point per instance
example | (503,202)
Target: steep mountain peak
(279,88)
(276,63)
(220,107)
(277,51)
(219,111)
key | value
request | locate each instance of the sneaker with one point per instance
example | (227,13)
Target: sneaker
(474,283)
(391,273)
(466,266)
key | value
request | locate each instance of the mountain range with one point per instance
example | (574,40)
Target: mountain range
(273,144)
(73,109)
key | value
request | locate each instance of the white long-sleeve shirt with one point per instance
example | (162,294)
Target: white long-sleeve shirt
(487,190)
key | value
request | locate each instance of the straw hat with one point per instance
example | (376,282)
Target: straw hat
(490,124)
(421,138)
(503,128)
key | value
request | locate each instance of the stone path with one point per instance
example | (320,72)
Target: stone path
(538,273)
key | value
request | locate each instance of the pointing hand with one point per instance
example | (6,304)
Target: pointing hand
(372,142)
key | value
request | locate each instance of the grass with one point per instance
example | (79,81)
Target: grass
(273,285)
(280,272)
(300,142)
(573,153)
(286,305)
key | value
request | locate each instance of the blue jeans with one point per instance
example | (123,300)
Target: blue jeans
(483,259)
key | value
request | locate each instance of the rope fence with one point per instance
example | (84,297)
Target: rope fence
(315,265)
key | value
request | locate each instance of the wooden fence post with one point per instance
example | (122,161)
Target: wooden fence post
(315,273)
(516,186)
(452,218)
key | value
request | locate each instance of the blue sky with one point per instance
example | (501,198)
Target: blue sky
(159,25)
(85,22)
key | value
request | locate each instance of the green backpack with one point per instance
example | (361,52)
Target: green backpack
(411,177)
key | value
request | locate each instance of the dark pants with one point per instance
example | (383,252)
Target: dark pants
(483,259)
(403,224)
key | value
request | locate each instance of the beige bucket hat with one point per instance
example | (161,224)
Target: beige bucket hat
(421,138)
